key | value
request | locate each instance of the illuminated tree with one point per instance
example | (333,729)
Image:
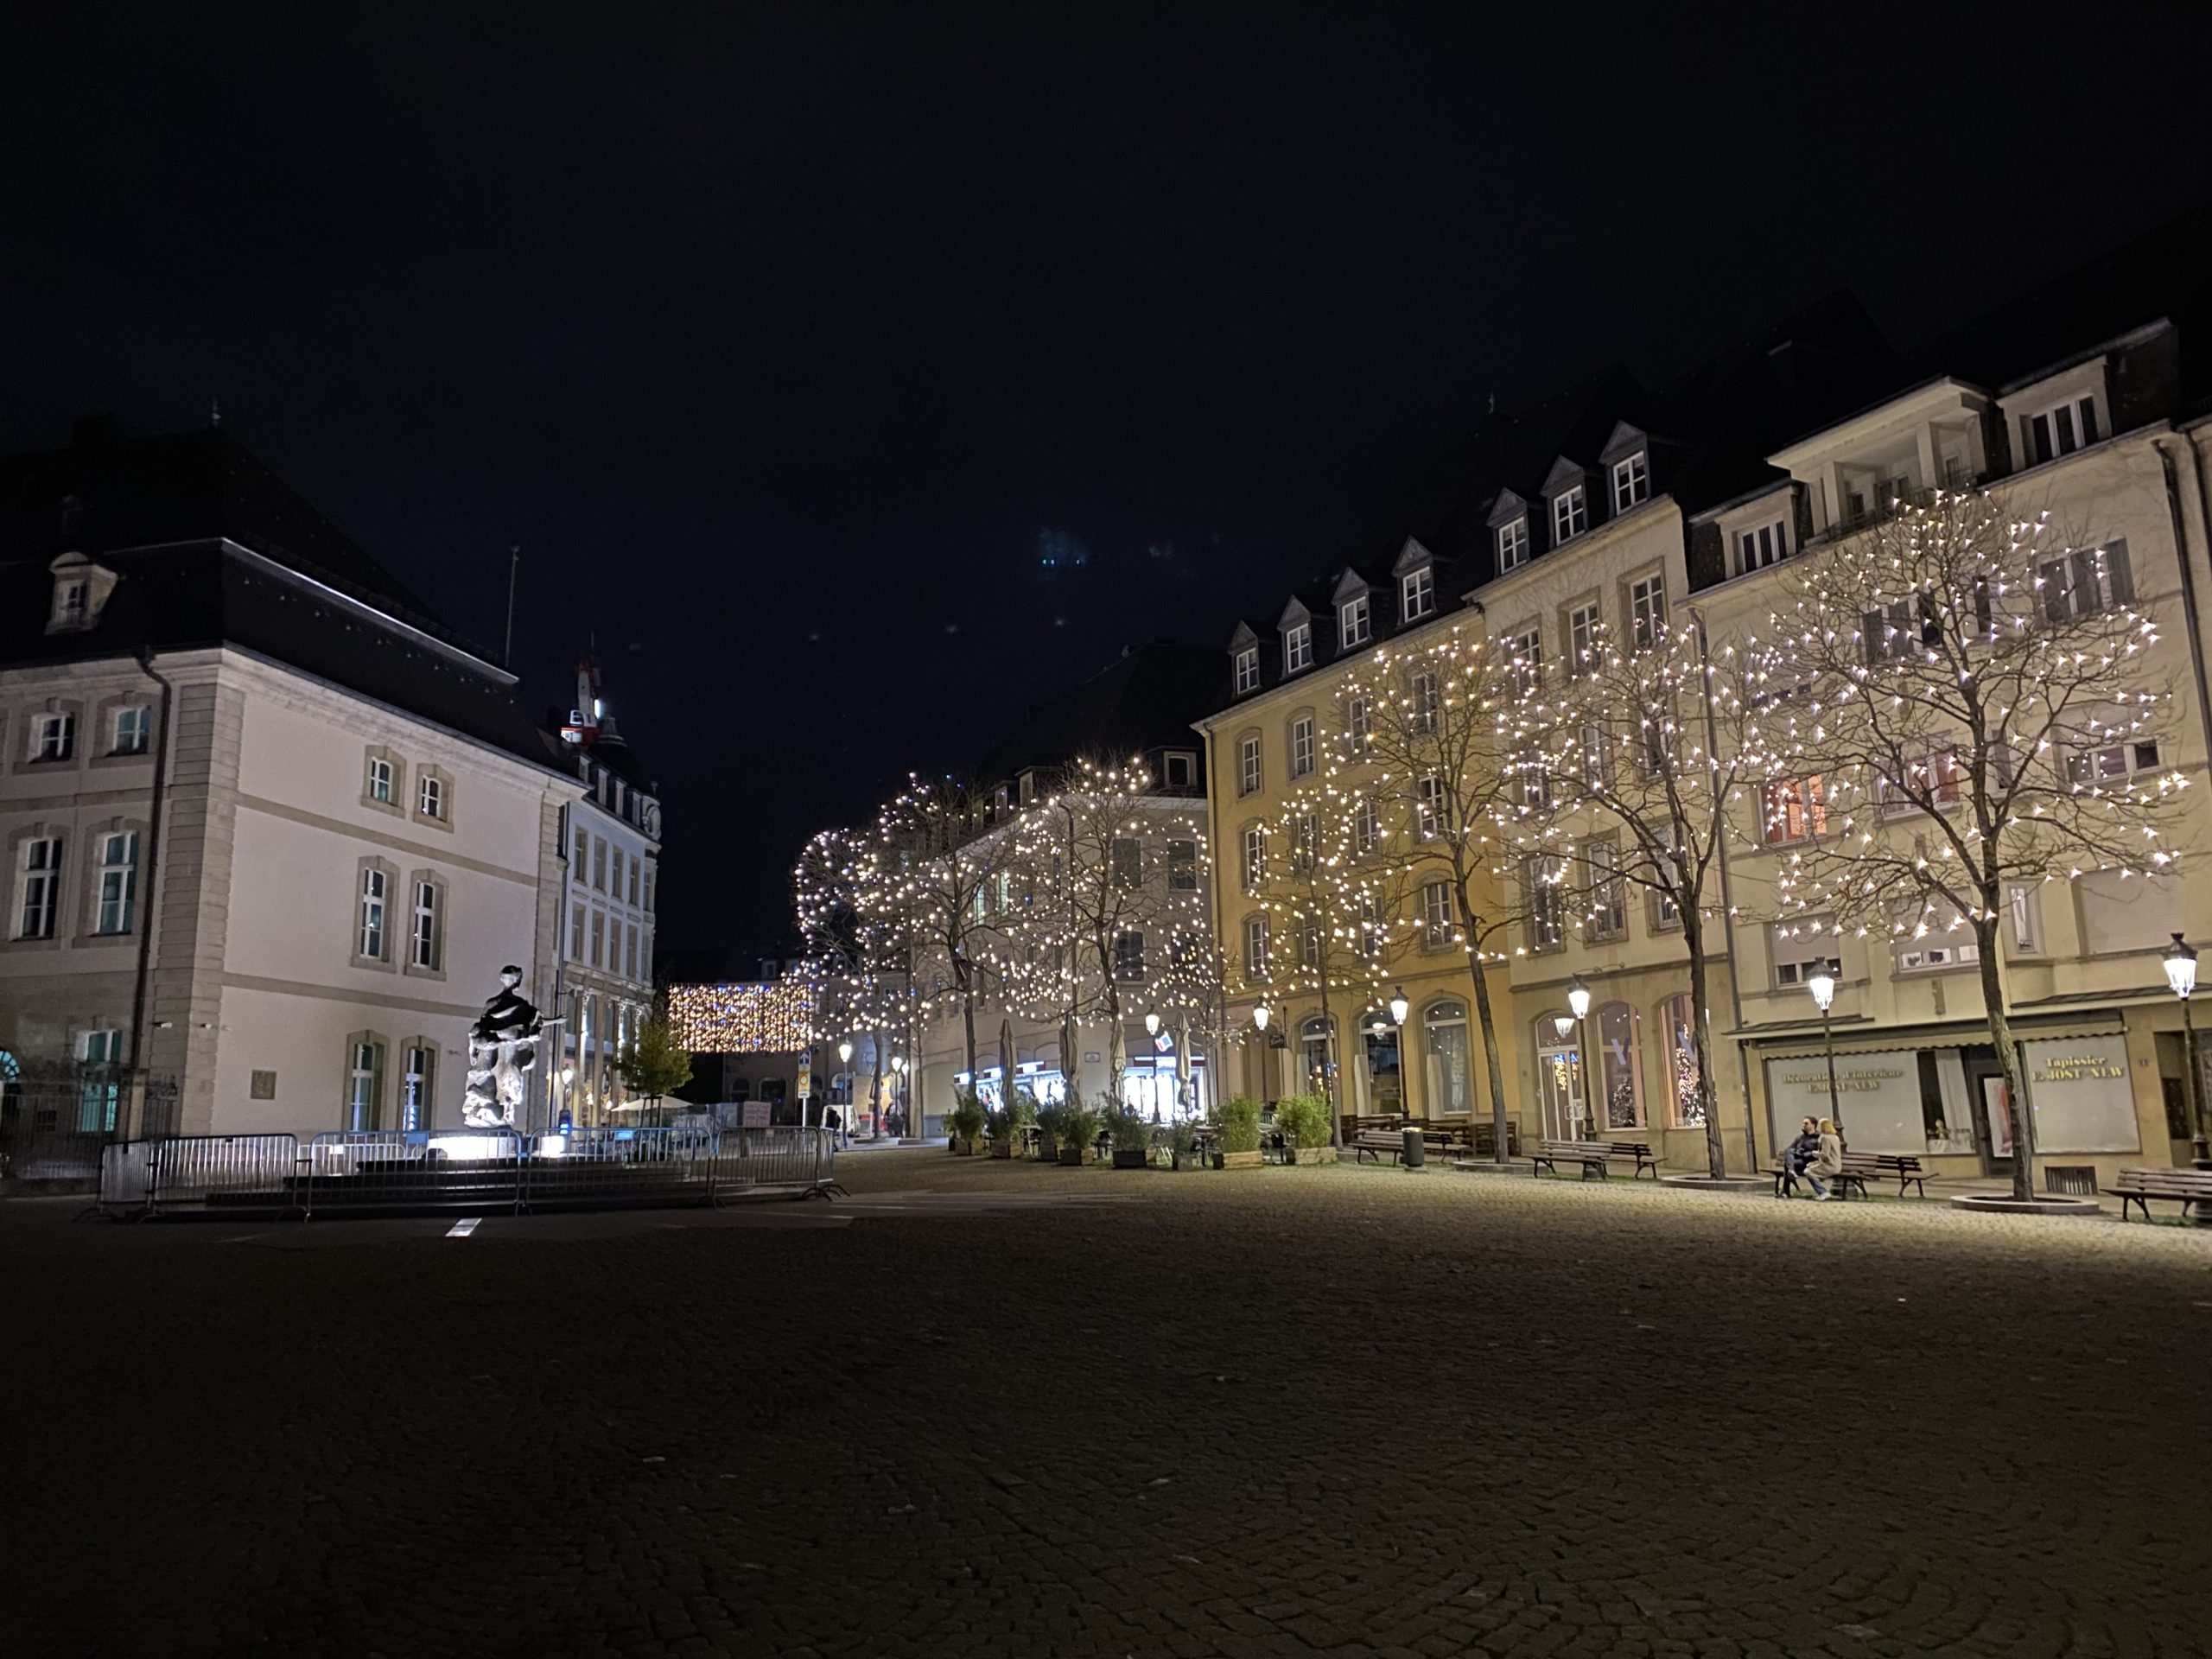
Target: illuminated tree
(855,941)
(1965,699)
(654,1064)
(1424,727)
(1626,755)
(1329,872)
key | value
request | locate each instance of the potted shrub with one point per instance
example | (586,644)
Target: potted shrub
(1132,1140)
(1048,1133)
(965,1123)
(1183,1147)
(1078,1129)
(1304,1120)
(1238,1120)
(1022,1113)
(999,1130)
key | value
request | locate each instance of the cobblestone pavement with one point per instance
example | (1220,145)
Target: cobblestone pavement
(1011,1410)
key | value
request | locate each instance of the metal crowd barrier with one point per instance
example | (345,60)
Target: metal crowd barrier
(478,1170)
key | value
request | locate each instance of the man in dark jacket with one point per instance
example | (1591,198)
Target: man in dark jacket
(1797,1154)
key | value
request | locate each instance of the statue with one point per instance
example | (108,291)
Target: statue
(502,1050)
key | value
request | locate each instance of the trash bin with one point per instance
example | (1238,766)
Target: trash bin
(1415,1154)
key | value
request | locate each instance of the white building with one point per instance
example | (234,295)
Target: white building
(609,868)
(272,830)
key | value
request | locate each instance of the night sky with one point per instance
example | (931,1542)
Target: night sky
(788,341)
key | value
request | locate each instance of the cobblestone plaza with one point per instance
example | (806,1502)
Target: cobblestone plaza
(993,1409)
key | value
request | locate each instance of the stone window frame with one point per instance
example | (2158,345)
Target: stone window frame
(356,1040)
(1594,932)
(1292,769)
(1533,933)
(430,772)
(393,896)
(578,910)
(1430,943)
(1251,856)
(396,806)
(440,921)
(1258,965)
(94,837)
(429,1047)
(1575,655)
(18,839)
(1651,570)
(105,713)
(1250,748)
(25,757)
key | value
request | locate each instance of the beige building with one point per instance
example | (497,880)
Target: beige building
(1689,501)
(272,832)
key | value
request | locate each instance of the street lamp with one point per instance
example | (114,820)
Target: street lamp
(2181,973)
(1399,1008)
(1822,984)
(845,1052)
(1577,1002)
(1260,1015)
(1151,1025)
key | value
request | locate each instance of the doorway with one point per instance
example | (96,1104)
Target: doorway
(1992,1115)
(1558,1086)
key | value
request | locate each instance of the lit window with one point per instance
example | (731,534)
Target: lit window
(1647,611)
(1513,544)
(41,887)
(1631,481)
(375,893)
(1297,648)
(1757,548)
(1416,593)
(1570,514)
(1353,627)
(1930,779)
(1247,766)
(1248,673)
(2061,430)
(118,870)
(133,729)
(1301,746)
(1796,810)
(423,948)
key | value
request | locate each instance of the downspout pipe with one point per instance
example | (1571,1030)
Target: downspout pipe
(150,872)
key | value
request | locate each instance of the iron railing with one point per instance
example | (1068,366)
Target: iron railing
(393,1171)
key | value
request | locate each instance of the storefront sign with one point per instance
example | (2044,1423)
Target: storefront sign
(1877,1095)
(2083,1100)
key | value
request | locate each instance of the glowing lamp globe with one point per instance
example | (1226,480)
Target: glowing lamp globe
(1578,997)
(1822,984)
(1151,1025)
(2181,967)
(845,1052)
(1260,1016)
(1398,1006)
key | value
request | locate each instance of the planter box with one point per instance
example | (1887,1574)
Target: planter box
(1251,1159)
(1135,1158)
(1190,1160)
(1048,1151)
(964,1148)
(1313,1154)
(1071,1156)
(1002,1148)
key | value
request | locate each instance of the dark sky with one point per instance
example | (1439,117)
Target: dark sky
(783,339)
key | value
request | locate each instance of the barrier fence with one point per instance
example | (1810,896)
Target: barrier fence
(366,1171)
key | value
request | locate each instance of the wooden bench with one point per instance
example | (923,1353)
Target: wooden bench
(1596,1155)
(1858,1167)
(1376,1143)
(1446,1141)
(2188,1187)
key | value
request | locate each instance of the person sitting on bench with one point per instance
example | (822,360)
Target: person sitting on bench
(1827,1159)
(1797,1156)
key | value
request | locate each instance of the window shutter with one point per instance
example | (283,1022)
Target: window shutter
(2123,578)
(2088,411)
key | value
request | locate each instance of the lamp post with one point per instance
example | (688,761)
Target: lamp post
(2181,973)
(1577,1000)
(1259,1023)
(1822,986)
(899,1093)
(1399,1008)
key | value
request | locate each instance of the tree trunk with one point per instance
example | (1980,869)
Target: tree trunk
(2008,1059)
(1716,1156)
(1116,1053)
(1331,1068)
(1489,1026)
(968,1018)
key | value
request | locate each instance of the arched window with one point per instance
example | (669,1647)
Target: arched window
(1317,1053)
(1615,1027)
(1558,1077)
(1681,1062)
(1449,1072)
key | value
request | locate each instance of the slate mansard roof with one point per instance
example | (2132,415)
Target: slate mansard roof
(1142,702)
(210,548)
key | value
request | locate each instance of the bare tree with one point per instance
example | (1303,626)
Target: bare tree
(855,941)
(1625,756)
(1331,875)
(1427,727)
(1971,708)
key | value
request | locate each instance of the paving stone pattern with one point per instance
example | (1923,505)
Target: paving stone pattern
(1361,1413)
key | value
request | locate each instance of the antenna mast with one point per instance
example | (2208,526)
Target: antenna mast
(514,568)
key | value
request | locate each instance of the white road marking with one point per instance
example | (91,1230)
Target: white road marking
(464,1227)
(240,1238)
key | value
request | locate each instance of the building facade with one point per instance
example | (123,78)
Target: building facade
(272,832)
(1618,506)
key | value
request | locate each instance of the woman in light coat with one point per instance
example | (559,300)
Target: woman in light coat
(1827,1163)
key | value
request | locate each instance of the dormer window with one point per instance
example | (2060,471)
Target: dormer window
(1247,674)
(80,588)
(1631,481)
(1416,593)
(1570,514)
(1180,769)
(70,601)
(1513,544)
(2061,430)
(1297,648)
(1757,548)
(1353,627)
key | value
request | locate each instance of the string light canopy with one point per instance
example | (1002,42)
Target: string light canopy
(774,1017)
